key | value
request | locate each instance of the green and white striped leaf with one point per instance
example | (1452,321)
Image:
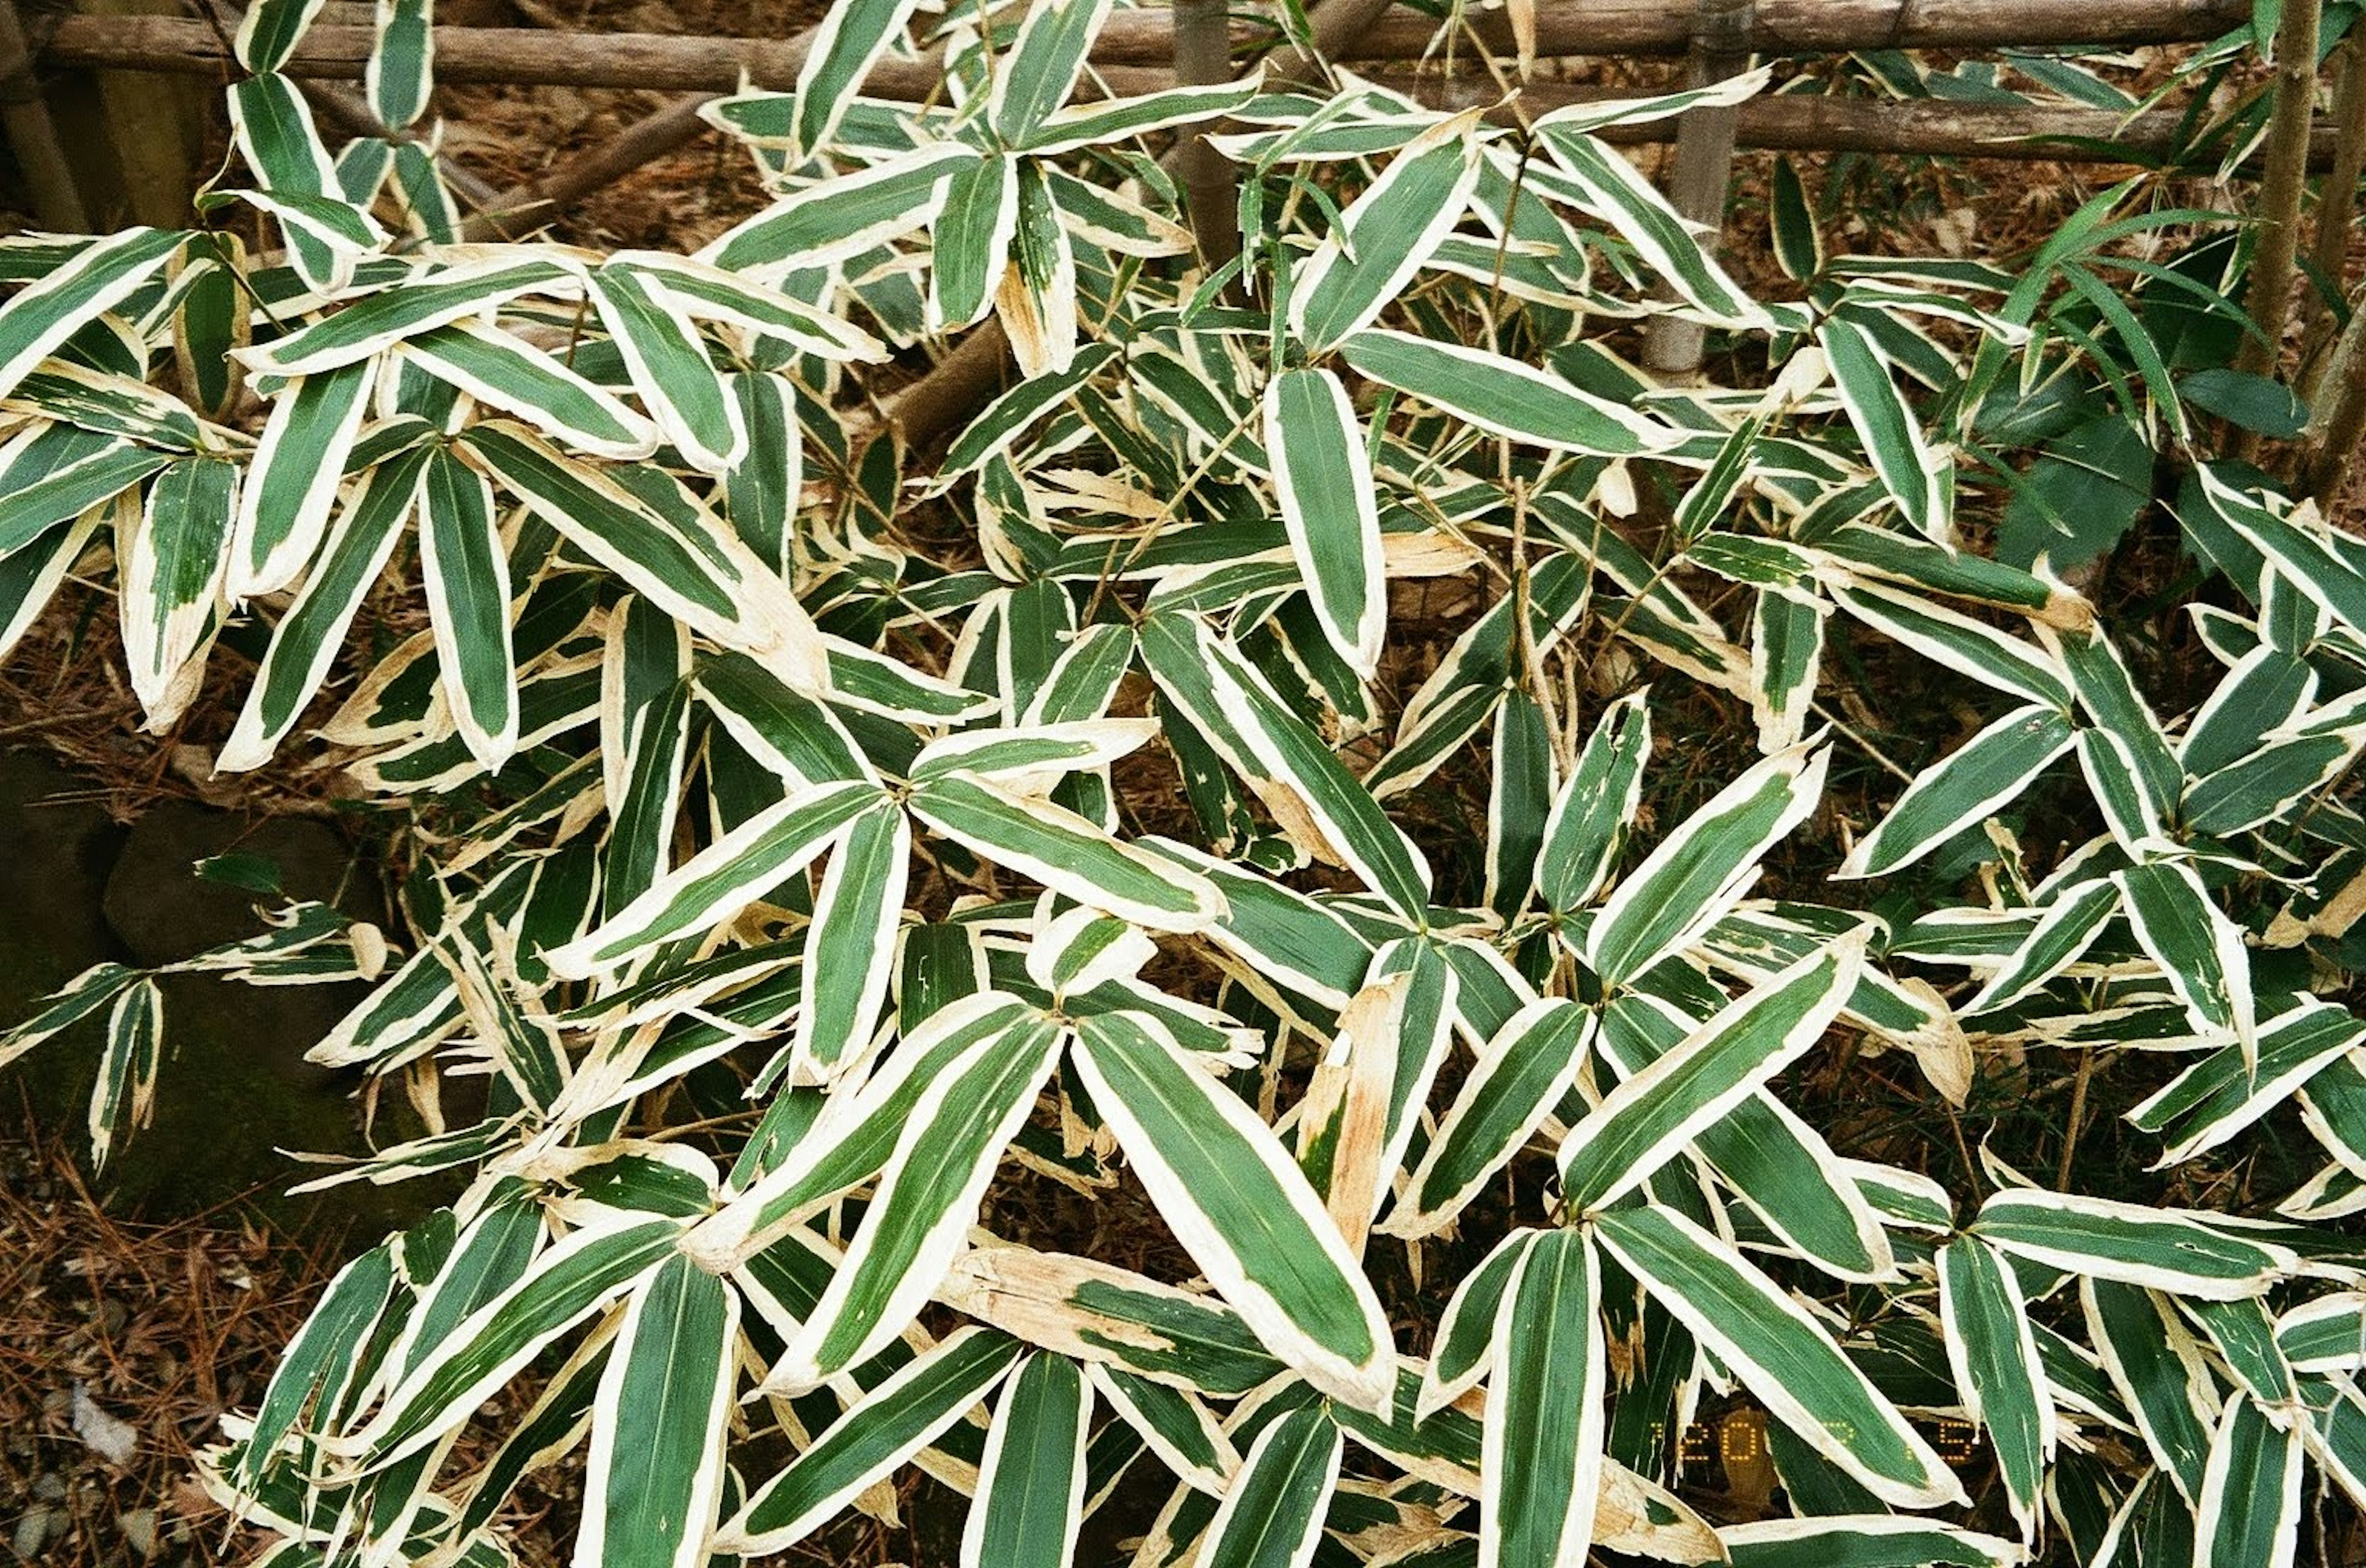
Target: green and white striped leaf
(41,316)
(125,1096)
(1241,1208)
(670,370)
(974,235)
(1977,778)
(1031,1488)
(1272,1516)
(371,326)
(845,215)
(291,485)
(2200,951)
(173,579)
(1993,1356)
(895,1420)
(2248,1516)
(719,882)
(307,638)
(2073,918)
(2177,1250)
(1067,853)
(500,372)
(1542,1462)
(42,494)
(468,586)
(1035,78)
(1465,1349)
(1323,473)
(270,30)
(1647,1120)
(656,1477)
(1504,397)
(850,41)
(1518,1079)
(1385,234)
(850,946)
(1688,881)
(1779,1353)
(1172,1424)
(1916,474)
(2155,1364)
(1607,186)
(1865,1541)
(948,1152)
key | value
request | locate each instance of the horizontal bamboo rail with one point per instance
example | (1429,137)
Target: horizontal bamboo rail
(1145,39)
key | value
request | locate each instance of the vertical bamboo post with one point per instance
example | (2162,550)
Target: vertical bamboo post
(1203,56)
(2337,201)
(2269,299)
(33,135)
(2337,422)
(1704,165)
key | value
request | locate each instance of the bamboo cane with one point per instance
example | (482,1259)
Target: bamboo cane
(2269,297)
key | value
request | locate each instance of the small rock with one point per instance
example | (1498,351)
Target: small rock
(32,1530)
(110,1438)
(51,1488)
(138,1528)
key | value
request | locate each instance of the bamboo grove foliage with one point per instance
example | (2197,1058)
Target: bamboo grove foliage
(738,740)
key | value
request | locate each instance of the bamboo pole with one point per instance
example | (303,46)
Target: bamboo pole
(1704,167)
(2337,424)
(1202,54)
(2268,301)
(33,135)
(1145,40)
(2337,201)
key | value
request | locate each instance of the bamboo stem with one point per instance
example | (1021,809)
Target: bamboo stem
(2269,299)
(1704,167)
(57,203)
(2337,423)
(1203,54)
(2337,201)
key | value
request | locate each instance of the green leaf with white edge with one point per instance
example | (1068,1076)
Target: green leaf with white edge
(1464,1351)
(2265,785)
(72,490)
(974,235)
(701,574)
(291,485)
(1099,124)
(1542,1459)
(1519,1078)
(850,41)
(1910,468)
(2327,1335)
(850,946)
(1779,1353)
(1970,785)
(949,1151)
(2249,1509)
(858,1132)
(1610,187)
(1694,875)
(2201,952)
(2073,916)
(1798,238)
(1067,853)
(125,1096)
(763,495)
(1029,758)
(2108,692)
(2118,789)
(1241,1208)
(270,30)
(715,884)
(1958,642)
(1036,77)
(30,577)
(2229,1089)
(1031,1489)
(669,364)
(699,290)
(791,733)
(1321,806)
(2155,1364)
(173,579)
(308,638)
(1174,1424)
(844,216)
(1787,647)
(402,67)
(371,326)
(596,1266)
(466,578)
(887,1425)
(320,1362)
(1993,1357)
(1272,1516)
(1385,234)
(655,1479)
(1323,473)
(1865,1541)
(39,317)
(2180,1251)
(1647,1118)
(500,372)
(1504,397)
